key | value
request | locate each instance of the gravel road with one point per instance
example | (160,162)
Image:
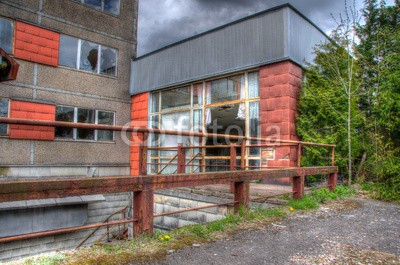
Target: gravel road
(354,231)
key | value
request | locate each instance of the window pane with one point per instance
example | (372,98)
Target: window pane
(64,114)
(106,118)
(176,98)
(254,115)
(86,116)
(198,95)
(111,6)
(154,137)
(155,100)
(253,85)
(6,34)
(3,113)
(89,56)
(225,89)
(93,3)
(68,50)
(108,61)
(178,122)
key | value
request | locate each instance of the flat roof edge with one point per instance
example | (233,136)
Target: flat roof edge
(232,23)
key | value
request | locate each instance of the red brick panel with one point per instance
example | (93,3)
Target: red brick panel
(280,85)
(34,111)
(36,44)
(139,118)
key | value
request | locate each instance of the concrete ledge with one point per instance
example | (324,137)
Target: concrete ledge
(51,202)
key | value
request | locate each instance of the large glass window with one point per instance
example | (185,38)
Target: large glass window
(82,115)
(6,34)
(87,56)
(3,113)
(109,6)
(228,105)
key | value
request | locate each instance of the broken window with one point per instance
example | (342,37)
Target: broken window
(6,34)
(106,118)
(81,115)
(87,56)
(108,61)
(3,113)
(93,3)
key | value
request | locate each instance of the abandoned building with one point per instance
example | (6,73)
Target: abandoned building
(75,65)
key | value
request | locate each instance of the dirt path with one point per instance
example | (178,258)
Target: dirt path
(355,231)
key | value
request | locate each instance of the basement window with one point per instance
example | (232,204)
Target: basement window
(108,6)
(6,34)
(4,106)
(82,115)
(87,56)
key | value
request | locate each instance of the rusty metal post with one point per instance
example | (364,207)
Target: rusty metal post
(242,194)
(299,147)
(333,156)
(143,159)
(232,163)
(143,204)
(298,187)
(181,159)
(242,155)
(332,181)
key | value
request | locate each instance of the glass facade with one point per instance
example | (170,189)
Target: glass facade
(228,105)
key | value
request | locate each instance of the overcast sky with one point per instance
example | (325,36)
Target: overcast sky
(162,22)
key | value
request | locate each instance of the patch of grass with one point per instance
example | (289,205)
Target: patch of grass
(50,259)
(387,191)
(317,196)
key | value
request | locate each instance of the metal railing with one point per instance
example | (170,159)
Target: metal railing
(143,185)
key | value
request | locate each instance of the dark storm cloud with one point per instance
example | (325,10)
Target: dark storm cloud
(162,22)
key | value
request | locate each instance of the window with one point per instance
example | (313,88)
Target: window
(6,34)
(87,56)
(82,115)
(225,89)
(109,6)
(3,113)
(176,98)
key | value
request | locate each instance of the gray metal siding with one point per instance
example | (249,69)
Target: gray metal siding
(268,37)
(303,37)
(250,43)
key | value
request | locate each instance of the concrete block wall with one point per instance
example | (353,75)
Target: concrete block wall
(168,201)
(97,213)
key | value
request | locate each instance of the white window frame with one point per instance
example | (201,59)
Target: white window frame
(75,130)
(79,53)
(102,7)
(8,115)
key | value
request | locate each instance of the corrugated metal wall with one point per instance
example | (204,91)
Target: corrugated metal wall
(251,42)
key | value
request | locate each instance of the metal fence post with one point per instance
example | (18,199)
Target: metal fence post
(181,159)
(143,205)
(232,164)
(298,187)
(242,194)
